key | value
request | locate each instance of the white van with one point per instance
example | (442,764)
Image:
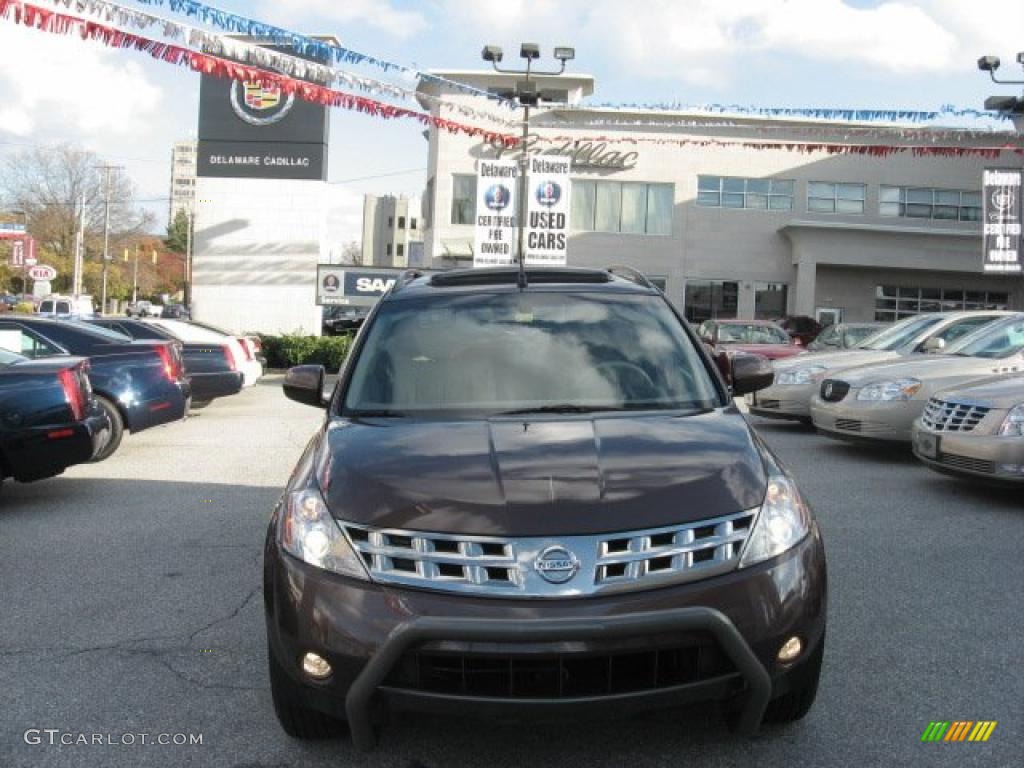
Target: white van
(67,307)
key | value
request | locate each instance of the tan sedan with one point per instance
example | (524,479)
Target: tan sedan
(975,431)
(798,378)
(880,402)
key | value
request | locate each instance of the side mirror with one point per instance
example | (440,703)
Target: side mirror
(934,344)
(751,373)
(305,384)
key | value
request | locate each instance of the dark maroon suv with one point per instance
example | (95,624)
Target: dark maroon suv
(537,497)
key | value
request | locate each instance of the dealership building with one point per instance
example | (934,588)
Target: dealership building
(729,217)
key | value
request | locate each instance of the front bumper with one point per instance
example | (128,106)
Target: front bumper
(366,631)
(984,457)
(854,419)
(791,401)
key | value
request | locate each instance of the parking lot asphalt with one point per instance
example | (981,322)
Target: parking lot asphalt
(131,604)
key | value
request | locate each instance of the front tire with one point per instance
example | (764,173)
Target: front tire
(797,701)
(298,721)
(116,430)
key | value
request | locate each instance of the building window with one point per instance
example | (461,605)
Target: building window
(897,302)
(826,197)
(928,203)
(391,221)
(735,192)
(463,198)
(770,301)
(400,249)
(660,282)
(628,207)
(387,250)
(401,222)
(412,223)
(706,299)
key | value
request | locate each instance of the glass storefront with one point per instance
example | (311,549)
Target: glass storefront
(707,299)
(897,302)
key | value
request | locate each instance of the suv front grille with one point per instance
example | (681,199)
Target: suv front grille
(583,565)
(559,675)
(943,416)
(834,390)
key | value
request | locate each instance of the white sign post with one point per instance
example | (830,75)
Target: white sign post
(547,222)
(496,243)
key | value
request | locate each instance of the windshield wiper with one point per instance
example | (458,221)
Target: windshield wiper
(562,408)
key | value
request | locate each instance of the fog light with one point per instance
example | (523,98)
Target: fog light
(790,649)
(316,666)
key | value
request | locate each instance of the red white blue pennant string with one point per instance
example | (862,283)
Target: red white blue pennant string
(812,113)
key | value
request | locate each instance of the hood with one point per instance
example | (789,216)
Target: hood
(1003,392)
(838,360)
(543,477)
(927,368)
(771,351)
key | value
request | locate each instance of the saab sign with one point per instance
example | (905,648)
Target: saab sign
(352,286)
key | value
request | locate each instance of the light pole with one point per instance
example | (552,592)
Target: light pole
(1007,105)
(527,95)
(106,232)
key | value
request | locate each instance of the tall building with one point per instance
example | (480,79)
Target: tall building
(183,177)
(392,231)
(745,216)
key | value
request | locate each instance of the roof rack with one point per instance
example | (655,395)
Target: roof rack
(633,275)
(405,278)
(510,275)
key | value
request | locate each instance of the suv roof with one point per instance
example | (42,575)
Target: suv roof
(505,279)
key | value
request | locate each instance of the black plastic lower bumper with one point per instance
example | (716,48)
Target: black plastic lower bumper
(427,629)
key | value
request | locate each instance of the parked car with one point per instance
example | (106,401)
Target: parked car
(341,320)
(538,499)
(66,307)
(801,327)
(760,337)
(975,431)
(176,312)
(245,351)
(880,402)
(9,300)
(844,336)
(144,309)
(211,369)
(251,343)
(49,419)
(139,384)
(798,379)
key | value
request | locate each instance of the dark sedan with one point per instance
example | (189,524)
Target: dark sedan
(211,369)
(342,320)
(139,384)
(49,419)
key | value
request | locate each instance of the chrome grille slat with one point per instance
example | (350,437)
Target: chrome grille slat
(950,416)
(607,562)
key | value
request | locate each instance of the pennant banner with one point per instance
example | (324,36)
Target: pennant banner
(231,22)
(814,113)
(47,20)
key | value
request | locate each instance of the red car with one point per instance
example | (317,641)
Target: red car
(759,337)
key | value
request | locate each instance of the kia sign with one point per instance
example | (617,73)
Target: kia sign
(547,220)
(42,273)
(495,243)
(353,286)
(1002,220)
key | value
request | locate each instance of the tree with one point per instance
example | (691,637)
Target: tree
(177,232)
(51,185)
(352,253)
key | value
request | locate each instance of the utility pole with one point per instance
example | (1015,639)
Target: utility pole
(106,231)
(187,293)
(135,277)
(76,280)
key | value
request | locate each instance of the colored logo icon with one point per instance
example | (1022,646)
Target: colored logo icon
(958,730)
(549,193)
(258,104)
(497,197)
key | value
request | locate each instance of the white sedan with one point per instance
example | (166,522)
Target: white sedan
(245,359)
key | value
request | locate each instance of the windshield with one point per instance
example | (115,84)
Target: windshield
(900,334)
(994,341)
(752,333)
(519,352)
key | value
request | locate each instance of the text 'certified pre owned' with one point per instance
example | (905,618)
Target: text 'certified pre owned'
(556,565)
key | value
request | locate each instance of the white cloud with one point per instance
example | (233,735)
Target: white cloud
(702,41)
(59,85)
(379,14)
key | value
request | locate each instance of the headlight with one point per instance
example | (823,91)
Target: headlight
(309,533)
(1013,424)
(782,522)
(900,389)
(803,375)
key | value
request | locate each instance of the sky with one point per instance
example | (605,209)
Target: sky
(129,108)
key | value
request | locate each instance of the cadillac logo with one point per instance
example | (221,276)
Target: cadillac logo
(258,104)
(556,565)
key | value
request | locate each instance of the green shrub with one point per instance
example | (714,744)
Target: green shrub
(25,307)
(295,349)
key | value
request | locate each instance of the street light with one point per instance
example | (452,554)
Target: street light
(528,95)
(1006,105)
